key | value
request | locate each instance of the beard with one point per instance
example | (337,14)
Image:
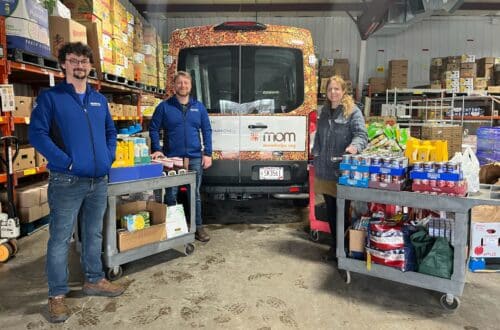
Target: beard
(80,74)
(182,93)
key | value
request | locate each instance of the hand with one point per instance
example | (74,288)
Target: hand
(351,149)
(157,154)
(206,162)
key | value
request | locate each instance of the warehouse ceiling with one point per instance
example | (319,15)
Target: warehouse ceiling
(371,16)
(200,8)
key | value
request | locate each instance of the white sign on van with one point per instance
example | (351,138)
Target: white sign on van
(259,133)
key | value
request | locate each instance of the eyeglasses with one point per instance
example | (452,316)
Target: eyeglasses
(75,62)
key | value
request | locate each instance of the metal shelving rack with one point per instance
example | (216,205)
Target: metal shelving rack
(113,259)
(461,206)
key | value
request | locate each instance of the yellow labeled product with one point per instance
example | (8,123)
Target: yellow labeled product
(426,150)
(133,222)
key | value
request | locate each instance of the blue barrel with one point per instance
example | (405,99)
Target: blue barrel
(488,144)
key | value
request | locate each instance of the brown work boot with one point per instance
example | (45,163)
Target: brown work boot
(58,311)
(201,235)
(102,288)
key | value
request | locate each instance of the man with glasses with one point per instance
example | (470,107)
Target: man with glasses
(72,128)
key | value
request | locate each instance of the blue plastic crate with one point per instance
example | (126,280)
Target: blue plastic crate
(138,172)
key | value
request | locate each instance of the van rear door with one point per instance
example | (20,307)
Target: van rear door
(250,93)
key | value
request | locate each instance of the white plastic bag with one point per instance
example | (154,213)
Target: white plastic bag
(470,168)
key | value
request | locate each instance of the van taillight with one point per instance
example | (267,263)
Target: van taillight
(240,26)
(312,130)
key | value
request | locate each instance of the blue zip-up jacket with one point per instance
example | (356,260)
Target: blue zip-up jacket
(67,132)
(181,131)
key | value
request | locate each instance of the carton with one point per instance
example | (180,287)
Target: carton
(485,238)
(357,239)
(25,159)
(40,160)
(63,30)
(24,105)
(155,233)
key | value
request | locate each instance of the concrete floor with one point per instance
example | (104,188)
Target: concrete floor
(249,276)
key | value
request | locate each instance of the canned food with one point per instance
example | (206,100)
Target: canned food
(346,159)
(396,178)
(441,183)
(404,162)
(357,175)
(440,167)
(346,173)
(382,177)
(366,175)
(418,167)
(425,182)
(450,184)
(375,177)
(433,183)
(388,178)
(356,160)
(365,160)
(376,160)
(417,181)
(452,167)
(396,162)
(386,161)
(429,167)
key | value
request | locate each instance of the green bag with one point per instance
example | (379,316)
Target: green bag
(422,243)
(439,261)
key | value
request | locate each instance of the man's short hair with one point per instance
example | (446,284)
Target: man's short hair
(76,48)
(183,74)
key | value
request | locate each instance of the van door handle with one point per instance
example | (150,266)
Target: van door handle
(257,126)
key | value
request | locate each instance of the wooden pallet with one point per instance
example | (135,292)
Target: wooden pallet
(114,78)
(19,55)
(34,226)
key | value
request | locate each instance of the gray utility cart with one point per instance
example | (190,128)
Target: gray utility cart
(113,259)
(461,206)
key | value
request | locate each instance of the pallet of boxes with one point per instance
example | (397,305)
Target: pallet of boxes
(458,74)
(330,67)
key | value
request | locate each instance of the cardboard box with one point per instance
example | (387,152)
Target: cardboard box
(452,134)
(25,159)
(357,240)
(63,30)
(28,196)
(485,213)
(30,214)
(24,105)
(484,240)
(27,35)
(40,160)
(155,233)
(94,40)
(377,85)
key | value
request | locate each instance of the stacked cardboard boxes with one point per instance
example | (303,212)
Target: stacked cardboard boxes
(398,74)
(150,52)
(160,63)
(27,26)
(377,85)
(139,59)
(436,72)
(452,134)
(63,30)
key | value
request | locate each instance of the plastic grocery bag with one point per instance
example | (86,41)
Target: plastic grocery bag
(470,168)
(439,261)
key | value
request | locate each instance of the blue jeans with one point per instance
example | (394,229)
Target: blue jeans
(171,193)
(71,198)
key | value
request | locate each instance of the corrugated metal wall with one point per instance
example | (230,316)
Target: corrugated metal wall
(338,37)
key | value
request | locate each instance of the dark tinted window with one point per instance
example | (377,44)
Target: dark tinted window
(245,79)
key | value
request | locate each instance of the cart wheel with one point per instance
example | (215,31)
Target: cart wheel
(449,302)
(14,245)
(188,249)
(346,276)
(314,234)
(114,273)
(6,251)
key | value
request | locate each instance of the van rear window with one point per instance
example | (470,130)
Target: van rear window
(245,79)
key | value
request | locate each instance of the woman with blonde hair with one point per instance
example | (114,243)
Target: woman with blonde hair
(340,129)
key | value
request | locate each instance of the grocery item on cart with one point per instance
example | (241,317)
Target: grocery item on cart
(138,221)
(386,138)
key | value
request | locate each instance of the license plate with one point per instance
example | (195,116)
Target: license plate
(271,173)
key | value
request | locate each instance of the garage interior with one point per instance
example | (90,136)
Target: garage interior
(261,270)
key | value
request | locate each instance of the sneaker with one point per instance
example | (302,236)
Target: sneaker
(58,311)
(102,288)
(201,235)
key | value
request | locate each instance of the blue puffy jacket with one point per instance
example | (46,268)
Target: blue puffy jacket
(67,132)
(181,131)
